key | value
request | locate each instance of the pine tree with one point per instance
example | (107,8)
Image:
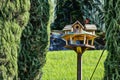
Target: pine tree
(35,39)
(112,23)
(14,16)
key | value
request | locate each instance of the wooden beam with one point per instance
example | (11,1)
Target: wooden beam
(87,42)
(92,42)
(84,39)
(72,30)
(66,42)
(71,40)
(65,32)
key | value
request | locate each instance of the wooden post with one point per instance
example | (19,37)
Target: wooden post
(87,41)
(79,66)
(66,42)
(92,42)
(84,39)
(71,42)
(65,32)
(79,51)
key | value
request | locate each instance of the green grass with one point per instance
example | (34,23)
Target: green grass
(62,65)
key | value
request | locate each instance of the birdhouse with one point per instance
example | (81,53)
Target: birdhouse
(91,28)
(77,27)
(67,29)
(79,38)
(78,35)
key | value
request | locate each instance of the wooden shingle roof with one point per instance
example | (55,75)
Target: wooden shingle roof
(85,27)
(90,27)
(67,27)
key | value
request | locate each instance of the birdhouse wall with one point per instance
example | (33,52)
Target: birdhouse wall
(81,30)
(76,29)
(72,30)
(67,31)
(91,31)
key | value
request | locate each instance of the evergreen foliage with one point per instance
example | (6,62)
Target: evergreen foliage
(67,12)
(93,10)
(14,16)
(112,23)
(35,39)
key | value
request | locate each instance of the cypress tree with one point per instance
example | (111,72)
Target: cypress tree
(35,39)
(112,23)
(14,16)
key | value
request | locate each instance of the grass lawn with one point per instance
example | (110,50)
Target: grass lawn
(62,65)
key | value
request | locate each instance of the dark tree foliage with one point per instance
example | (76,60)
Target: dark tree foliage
(67,12)
(112,24)
(34,42)
(93,10)
(14,16)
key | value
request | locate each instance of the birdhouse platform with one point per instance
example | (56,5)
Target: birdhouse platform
(79,36)
(79,39)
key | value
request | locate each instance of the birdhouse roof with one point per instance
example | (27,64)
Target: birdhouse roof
(67,27)
(87,26)
(57,31)
(90,27)
(77,22)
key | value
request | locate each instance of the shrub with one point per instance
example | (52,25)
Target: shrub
(14,16)
(34,41)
